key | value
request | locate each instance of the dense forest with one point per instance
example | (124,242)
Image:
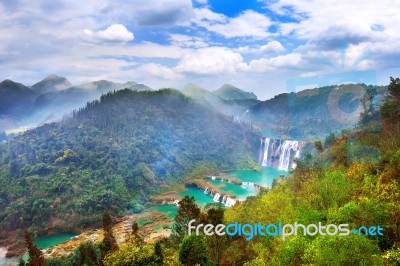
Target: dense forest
(113,154)
(330,187)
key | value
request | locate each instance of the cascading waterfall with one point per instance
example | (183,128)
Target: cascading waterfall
(224,198)
(216,197)
(279,153)
(266,150)
(230,202)
(287,148)
(206,190)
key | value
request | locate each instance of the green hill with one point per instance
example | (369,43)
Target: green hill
(230,92)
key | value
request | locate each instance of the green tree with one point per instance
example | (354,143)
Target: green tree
(187,211)
(214,214)
(89,254)
(339,250)
(193,251)
(109,243)
(394,87)
(135,229)
(318,146)
(158,253)
(36,257)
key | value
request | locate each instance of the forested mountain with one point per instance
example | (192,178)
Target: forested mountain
(50,100)
(301,115)
(113,154)
(51,83)
(230,92)
(315,112)
(233,107)
(15,98)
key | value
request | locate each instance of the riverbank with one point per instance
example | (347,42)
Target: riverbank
(3,252)
(4,261)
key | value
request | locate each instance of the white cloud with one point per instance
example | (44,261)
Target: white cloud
(159,71)
(270,47)
(114,33)
(248,23)
(287,61)
(183,40)
(339,18)
(211,60)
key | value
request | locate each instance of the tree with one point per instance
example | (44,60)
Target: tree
(158,253)
(36,257)
(193,251)
(135,229)
(109,243)
(89,254)
(318,146)
(187,211)
(214,214)
(394,87)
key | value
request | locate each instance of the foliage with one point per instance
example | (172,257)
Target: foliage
(109,243)
(394,87)
(193,251)
(187,211)
(132,254)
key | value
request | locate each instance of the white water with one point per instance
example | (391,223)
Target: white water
(287,147)
(230,202)
(278,153)
(216,197)
(266,150)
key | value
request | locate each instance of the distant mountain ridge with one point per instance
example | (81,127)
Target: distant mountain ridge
(51,83)
(230,92)
(50,99)
(15,98)
(302,115)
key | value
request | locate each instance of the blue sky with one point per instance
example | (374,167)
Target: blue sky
(257,45)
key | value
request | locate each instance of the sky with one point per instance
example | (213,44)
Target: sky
(256,45)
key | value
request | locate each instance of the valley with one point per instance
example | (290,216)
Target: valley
(138,154)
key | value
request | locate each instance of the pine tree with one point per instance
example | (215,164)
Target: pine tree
(36,257)
(187,211)
(158,253)
(109,243)
(193,251)
(135,229)
(394,87)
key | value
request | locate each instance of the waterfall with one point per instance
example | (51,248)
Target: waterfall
(224,198)
(216,197)
(230,202)
(213,177)
(206,190)
(266,150)
(279,153)
(286,152)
